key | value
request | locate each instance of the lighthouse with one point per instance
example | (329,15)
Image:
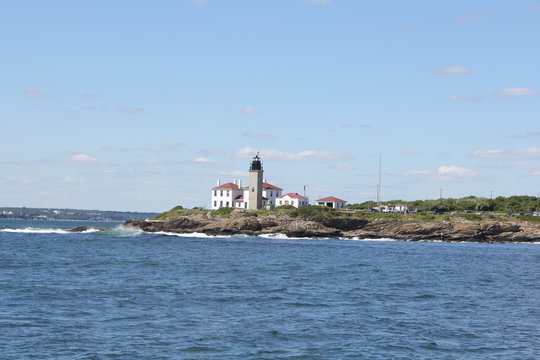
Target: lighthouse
(255,183)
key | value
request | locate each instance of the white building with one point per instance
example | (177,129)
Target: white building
(225,195)
(234,195)
(293,199)
(397,208)
(331,202)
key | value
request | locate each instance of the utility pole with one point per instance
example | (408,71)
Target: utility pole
(440,194)
(491,197)
(379,185)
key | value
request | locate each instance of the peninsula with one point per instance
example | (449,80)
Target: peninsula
(312,222)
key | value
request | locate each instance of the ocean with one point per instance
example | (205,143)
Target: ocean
(125,294)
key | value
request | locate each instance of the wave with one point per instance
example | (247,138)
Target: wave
(118,231)
(122,231)
(373,240)
(193,234)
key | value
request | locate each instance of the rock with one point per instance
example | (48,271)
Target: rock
(303,228)
(87,228)
(344,224)
(346,227)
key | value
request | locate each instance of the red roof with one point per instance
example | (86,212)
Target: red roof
(331,198)
(239,198)
(270,186)
(227,186)
(293,195)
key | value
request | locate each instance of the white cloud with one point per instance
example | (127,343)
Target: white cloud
(409,152)
(513,92)
(307,155)
(455,171)
(249,110)
(535,173)
(453,70)
(203,161)
(512,154)
(69,179)
(260,136)
(444,173)
(465,97)
(82,159)
(131,110)
(36,94)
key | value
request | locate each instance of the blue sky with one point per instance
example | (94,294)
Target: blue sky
(140,105)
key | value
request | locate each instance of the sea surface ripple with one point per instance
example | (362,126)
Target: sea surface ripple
(122,294)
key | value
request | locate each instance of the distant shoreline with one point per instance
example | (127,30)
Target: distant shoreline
(24,213)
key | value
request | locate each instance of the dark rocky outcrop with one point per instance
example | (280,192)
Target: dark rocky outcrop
(346,227)
(87,228)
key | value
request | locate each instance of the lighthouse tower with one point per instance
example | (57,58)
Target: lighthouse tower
(255,183)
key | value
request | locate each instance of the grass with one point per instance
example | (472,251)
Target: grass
(315,212)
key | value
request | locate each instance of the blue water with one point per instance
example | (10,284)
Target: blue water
(128,295)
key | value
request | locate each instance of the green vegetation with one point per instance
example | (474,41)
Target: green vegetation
(469,208)
(174,212)
(513,205)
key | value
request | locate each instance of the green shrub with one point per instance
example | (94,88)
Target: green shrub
(175,211)
(285,207)
(224,211)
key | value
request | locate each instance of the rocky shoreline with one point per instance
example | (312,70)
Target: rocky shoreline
(346,227)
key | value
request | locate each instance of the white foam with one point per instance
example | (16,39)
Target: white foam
(123,231)
(285,237)
(193,234)
(373,240)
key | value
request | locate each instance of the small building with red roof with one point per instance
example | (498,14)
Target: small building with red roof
(331,202)
(293,199)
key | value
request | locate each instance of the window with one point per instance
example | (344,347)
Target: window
(215,192)
(271,193)
(227,192)
(221,193)
(245,205)
(221,204)
(215,203)
(227,204)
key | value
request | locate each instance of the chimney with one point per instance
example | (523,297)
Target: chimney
(240,183)
(218,182)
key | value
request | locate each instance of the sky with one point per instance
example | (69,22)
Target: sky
(142,105)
